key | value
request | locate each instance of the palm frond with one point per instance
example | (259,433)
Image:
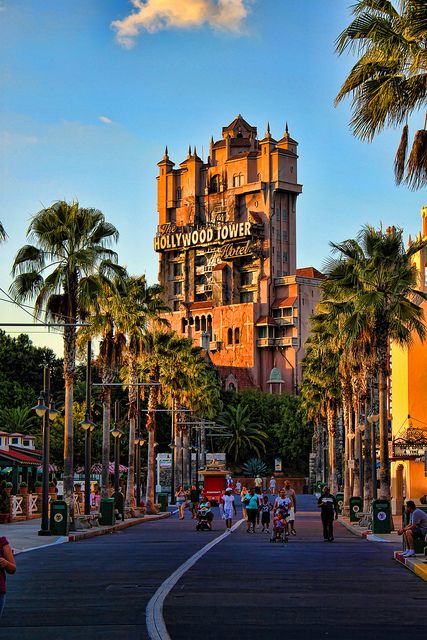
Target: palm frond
(400,159)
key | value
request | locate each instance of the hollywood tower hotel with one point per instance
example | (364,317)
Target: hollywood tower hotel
(226,241)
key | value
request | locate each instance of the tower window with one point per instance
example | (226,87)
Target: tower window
(214,184)
(204,324)
(229,336)
(179,193)
(177,269)
(237,336)
(197,323)
(177,288)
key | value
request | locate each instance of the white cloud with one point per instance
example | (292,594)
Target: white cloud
(105,119)
(11,139)
(154,15)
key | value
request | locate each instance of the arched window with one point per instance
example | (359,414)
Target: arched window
(209,328)
(230,336)
(179,193)
(197,323)
(183,325)
(241,179)
(214,184)
(237,336)
(204,323)
(236,181)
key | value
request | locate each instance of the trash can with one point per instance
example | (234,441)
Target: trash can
(340,501)
(59,520)
(356,507)
(162,499)
(381,516)
(106,509)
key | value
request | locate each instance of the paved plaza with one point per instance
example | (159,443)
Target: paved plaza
(242,588)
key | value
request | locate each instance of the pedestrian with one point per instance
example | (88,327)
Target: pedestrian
(258,482)
(229,481)
(221,504)
(329,508)
(266,508)
(258,493)
(272,485)
(243,493)
(238,487)
(119,503)
(194,499)
(282,501)
(415,530)
(252,507)
(181,500)
(7,565)
(290,493)
(229,507)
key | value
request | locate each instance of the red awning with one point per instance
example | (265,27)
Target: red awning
(284,302)
(21,458)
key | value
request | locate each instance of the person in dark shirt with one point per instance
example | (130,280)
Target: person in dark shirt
(194,501)
(329,510)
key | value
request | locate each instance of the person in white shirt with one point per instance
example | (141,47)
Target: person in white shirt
(272,485)
(229,508)
(238,487)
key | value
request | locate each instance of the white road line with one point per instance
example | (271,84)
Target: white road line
(156,626)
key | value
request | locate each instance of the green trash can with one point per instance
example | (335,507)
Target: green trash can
(381,516)
(162,499)
(356,506)
(59,518)
(340,501)
(106,509)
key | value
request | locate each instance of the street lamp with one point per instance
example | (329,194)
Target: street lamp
(45,409)
(172,446)
(373,419)
(88,426)
(117,433)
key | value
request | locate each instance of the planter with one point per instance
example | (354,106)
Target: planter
(4,518)
(23,491)
(38,490)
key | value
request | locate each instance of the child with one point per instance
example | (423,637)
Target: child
(229,507)
(266,507)
(280,524)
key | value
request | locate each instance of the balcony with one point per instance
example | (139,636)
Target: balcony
(265,342)
(287,341)
(286,321)
(203,288)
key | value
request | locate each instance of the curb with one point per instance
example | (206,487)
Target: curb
(361,534)
(417,565)
(93,533)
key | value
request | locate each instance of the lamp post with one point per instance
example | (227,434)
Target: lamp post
(88,427)
(173,447)
(372,419)
(45,409)
(117,433)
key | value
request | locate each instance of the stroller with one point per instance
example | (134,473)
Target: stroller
(203,523)
(280,526)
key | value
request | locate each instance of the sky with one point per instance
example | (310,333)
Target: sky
(91,91)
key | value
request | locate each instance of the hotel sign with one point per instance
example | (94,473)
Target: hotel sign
(235,236)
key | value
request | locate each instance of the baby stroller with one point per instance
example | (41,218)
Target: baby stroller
(280,527)
(203,523)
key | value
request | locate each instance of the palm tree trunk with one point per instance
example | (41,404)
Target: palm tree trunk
(384,455)
(69,371)
(150,497)
(132,391)
(106,421)
(185,446)
(367,470)
(356,468)
(347,430)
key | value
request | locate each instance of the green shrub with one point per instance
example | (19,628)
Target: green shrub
(255,467)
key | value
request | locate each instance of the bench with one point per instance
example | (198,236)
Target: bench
(365,518)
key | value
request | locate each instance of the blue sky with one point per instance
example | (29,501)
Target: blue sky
(62,68)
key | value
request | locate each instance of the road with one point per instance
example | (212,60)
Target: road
(243,588)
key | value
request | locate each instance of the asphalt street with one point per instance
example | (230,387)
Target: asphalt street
(244,587)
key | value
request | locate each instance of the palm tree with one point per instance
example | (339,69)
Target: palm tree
(246,435)
(60,272)
(2,233)
(135,308)
(376,277)
(186,379)
(389,81)
(19,420)
(101,324)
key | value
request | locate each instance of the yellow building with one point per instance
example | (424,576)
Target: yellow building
(409,406)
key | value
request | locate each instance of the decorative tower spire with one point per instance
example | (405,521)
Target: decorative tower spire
(189,150)
(166,156)
(286,127)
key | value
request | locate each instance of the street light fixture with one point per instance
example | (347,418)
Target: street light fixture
(117,433)
(373,419)
(46,410)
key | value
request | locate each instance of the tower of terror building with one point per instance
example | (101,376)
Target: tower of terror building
(226,241)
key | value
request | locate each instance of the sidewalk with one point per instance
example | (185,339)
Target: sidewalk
(417,564)
(23,536)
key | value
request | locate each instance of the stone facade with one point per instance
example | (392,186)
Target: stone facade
(227,256)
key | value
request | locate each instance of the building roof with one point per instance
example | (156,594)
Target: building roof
(284,302)
(310,272)
(34,452)
(17,456)
(265,320)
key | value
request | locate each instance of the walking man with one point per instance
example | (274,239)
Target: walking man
(329,510)
(229,507)
(290,493)
(416,529)
(272,485)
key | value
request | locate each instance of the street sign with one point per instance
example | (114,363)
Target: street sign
(278,464)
